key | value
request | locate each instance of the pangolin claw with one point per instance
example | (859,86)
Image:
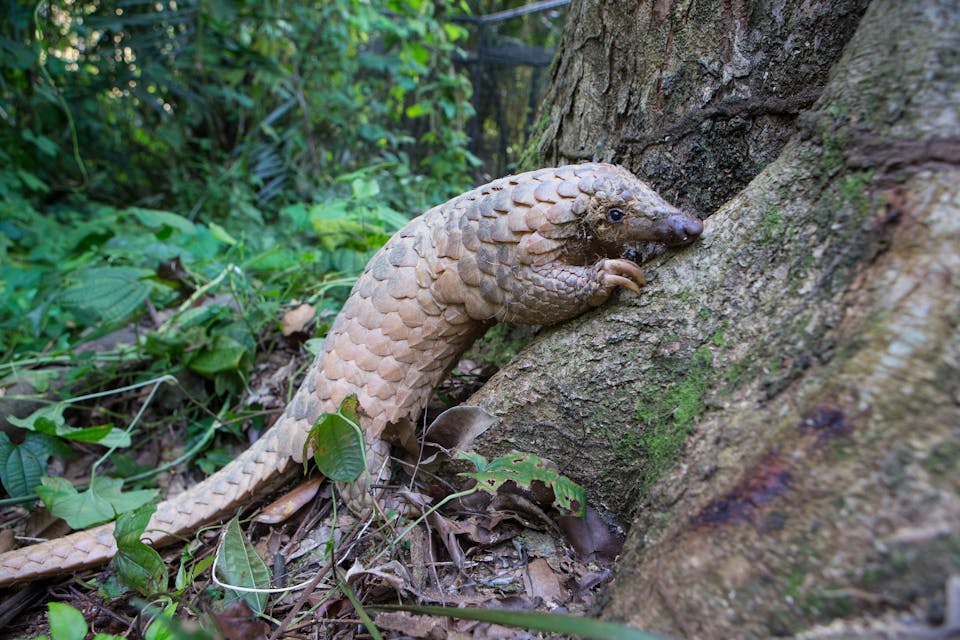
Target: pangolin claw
(623,273)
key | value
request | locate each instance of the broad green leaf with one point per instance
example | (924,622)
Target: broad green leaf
(138,565)
(221,234)
(112,293)
(160,629)
(189,570)
(524,468)
(23,465)
(39,379)
(44,144)
(51,412)
(50,420)
(350,261)
(417,110)
(392,220)
(298,215)
(338,443)
(66,623)
(101,502)
(314,345)
(156,219)
(364,188)
(224,354)
(239,564)
(106,435)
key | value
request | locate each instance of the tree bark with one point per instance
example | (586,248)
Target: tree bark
(698,96)
(779,413)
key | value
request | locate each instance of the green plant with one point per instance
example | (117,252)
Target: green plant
(232,109)
(67,623)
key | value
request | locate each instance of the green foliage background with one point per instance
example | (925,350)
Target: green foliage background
(285,138)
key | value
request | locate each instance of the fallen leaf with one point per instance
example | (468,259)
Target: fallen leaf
(393,574)
(591,537)
(412,626)
(237,622)
(540,580)
(296,320)
(455,430)
(289,503)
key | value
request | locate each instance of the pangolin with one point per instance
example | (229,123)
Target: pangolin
(534,248)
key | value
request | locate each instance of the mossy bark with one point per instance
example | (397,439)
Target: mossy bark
(778,415)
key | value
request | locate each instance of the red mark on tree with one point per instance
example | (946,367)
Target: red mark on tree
(768,480)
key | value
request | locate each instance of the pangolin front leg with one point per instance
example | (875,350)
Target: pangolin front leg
(558,287)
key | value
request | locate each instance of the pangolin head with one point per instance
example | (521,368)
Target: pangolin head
(621,210)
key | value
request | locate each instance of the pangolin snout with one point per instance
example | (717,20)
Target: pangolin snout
(683,228)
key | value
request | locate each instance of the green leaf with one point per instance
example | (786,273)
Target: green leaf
(138,565)
(239,564)
(417,110)
(338,443)
(112,293)
(51,412)
(564,624)
(156,219)
(525,468)
(39,379)
(66,623)
(101,502)
(50,420)
(364,188)
(221,234)
(224,354)
(160,628)
(189,571)
(391,220)
(23,465)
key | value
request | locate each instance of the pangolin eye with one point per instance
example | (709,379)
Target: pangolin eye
(615,215)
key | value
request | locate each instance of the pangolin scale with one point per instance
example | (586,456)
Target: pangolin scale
(535,248)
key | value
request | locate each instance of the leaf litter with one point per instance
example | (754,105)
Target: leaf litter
(506,550)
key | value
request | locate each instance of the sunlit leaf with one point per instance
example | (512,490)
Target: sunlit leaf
(154,219)
(66,623)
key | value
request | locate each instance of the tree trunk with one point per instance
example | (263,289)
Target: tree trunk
(779,413)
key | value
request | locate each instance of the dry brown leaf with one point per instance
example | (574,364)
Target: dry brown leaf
(43,524)
(412,626)
(393,574)
(296,320)
(237,622)
(289,503)
(541,581)
(591,537)
(448,530)
(455,430)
